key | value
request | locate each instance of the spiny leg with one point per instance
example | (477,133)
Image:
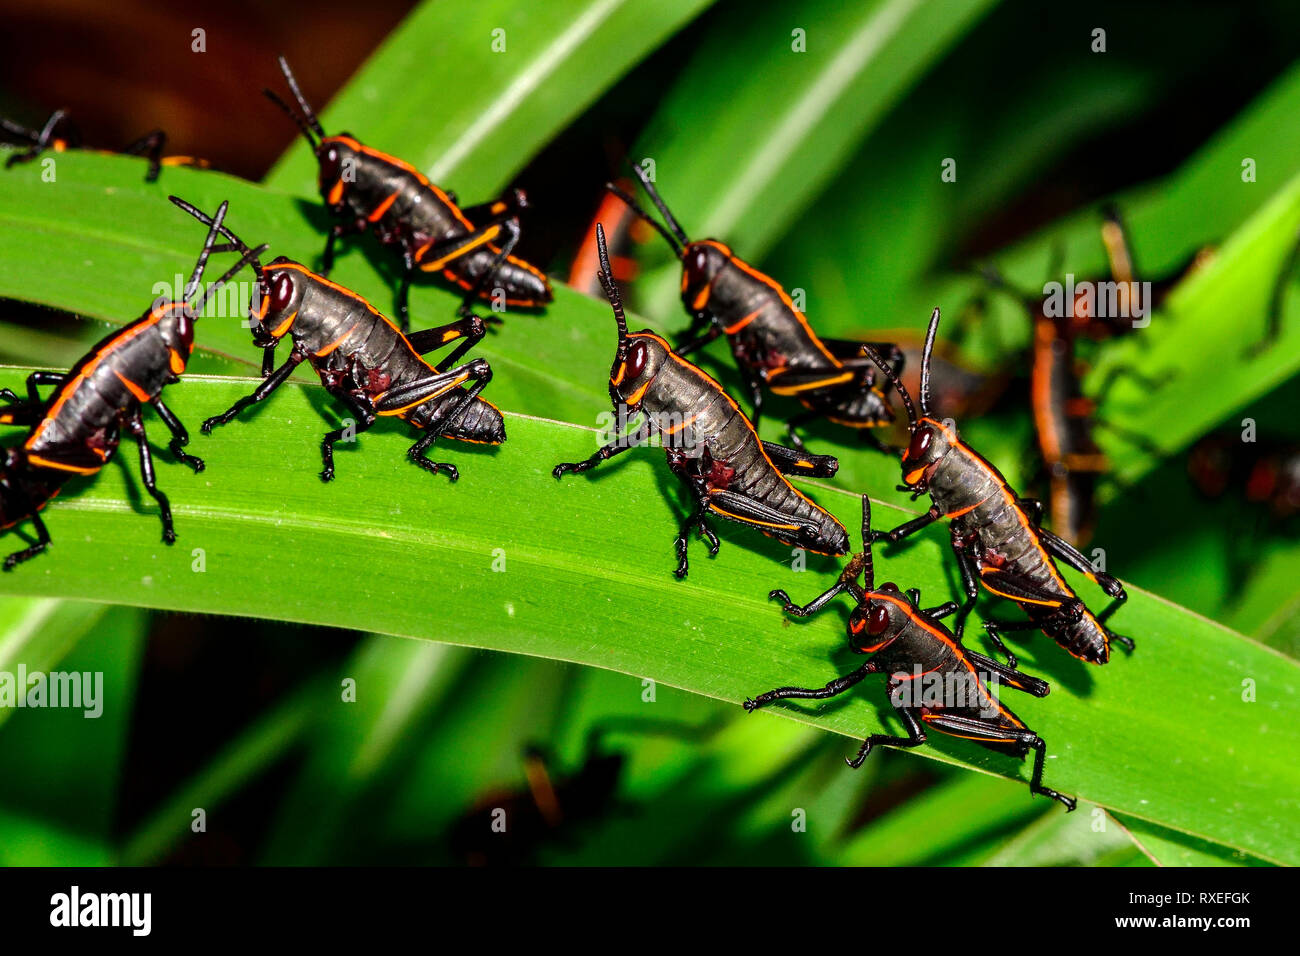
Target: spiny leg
(837,686)
(416,454)
(915,737)
(755,386)
(43,378)
(41,140)
(509,203)
(511,229)
(404,289)
(970,586)
(470,330)
(365,419)
(694,339)
(180,437)
(150,146)
(909,528)
(1072,556)
(440,255)
(1009,675)
(696,522)
(42,542)
(33,380)
(994,630)
(136,427)
(1039,746)
(337,232)
(1017,586)
(939,611)
(989,732)
(813,606)
(791,461)
(428,387)
(1125,642)
(605,452)
(268,385)
(478,370)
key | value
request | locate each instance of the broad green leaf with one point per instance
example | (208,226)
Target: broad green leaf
(384,528)
(1170,848)
(871,283)
(468,92)
(877,284)
(503,704)
(1202,203)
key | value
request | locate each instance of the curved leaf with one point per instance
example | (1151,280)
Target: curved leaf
(280,544)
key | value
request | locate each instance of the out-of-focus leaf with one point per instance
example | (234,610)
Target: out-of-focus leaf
(255,749)
(753,129)
(1200,342)
(64,764)
(383,690)
(37,633)
(1081,838)
(467,93)
(1170,848)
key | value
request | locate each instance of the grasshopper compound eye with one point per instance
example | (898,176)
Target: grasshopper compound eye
(281,292)
(877,620)
(920,444)
(636,359)
(330,163)
(696,265)
(185,330)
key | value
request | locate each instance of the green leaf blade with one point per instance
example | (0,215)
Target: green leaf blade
(468,93)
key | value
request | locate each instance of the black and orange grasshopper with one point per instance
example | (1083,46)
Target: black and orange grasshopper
(710,444)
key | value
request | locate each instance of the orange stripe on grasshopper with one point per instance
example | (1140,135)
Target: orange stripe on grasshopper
(383,207)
